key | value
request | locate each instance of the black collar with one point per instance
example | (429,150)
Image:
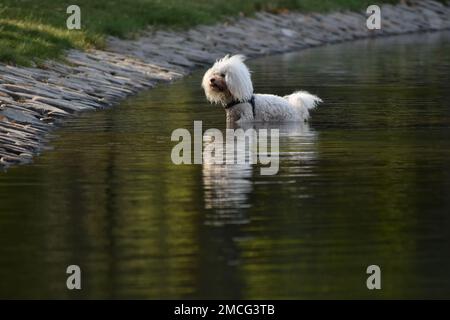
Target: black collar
(235,102)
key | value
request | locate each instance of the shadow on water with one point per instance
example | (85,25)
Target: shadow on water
(365,182)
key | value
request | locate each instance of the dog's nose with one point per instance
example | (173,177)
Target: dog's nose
(212,80)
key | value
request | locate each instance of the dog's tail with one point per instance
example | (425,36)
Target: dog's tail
(303,99)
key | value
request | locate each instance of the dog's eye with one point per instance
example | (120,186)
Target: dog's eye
(222,75)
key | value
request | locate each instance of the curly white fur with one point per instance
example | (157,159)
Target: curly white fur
(229,80)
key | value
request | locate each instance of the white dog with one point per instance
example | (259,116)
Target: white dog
(228,83)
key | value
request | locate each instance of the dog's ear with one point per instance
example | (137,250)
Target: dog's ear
(238,80)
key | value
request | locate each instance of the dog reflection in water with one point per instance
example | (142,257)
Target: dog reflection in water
(228,184)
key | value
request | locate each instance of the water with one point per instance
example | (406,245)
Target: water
(366,182)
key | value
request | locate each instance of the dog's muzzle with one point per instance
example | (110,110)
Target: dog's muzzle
(217,84)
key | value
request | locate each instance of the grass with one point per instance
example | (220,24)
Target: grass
(31,30)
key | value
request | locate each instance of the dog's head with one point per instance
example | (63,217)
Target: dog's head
(228,80)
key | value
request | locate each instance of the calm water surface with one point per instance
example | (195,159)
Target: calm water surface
(366,182)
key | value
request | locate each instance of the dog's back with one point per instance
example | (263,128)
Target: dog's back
(294,107)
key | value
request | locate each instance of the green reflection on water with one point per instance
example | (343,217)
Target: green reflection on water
(366,182)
